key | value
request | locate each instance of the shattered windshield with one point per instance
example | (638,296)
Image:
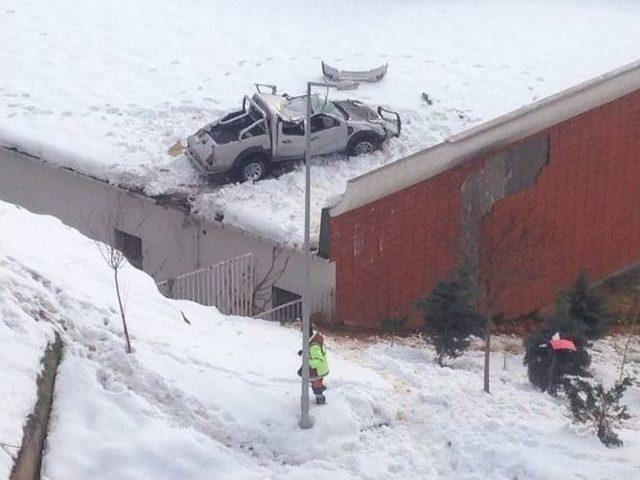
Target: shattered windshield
(295,108)
(319,104)
(342,111)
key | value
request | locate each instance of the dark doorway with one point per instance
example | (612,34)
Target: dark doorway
(131,247)
(280,296)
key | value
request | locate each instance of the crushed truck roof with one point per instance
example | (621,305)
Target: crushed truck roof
(293,109)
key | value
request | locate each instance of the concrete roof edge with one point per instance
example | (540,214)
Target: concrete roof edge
(154,200)
(491,135)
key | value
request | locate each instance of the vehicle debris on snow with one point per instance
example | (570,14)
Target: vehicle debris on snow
(373,75)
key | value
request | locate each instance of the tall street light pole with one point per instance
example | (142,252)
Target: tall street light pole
(306,421)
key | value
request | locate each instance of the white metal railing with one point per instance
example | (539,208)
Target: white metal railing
(324,306)
(287,312)
(226,285)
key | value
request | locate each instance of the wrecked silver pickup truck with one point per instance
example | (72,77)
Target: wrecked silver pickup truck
(270,128)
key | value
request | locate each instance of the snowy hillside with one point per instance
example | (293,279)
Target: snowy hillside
(218,397)
(106,87)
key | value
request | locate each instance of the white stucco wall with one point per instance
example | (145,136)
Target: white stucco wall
(173,241)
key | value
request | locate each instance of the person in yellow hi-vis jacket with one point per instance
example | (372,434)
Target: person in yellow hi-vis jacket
(318,365)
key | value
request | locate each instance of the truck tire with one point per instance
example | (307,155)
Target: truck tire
(363,144)
(252,168)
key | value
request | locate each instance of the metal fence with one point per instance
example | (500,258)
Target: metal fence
(226,285)
(322,308)
(287,312)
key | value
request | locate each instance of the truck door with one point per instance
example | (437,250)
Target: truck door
(328,134)
(290,140)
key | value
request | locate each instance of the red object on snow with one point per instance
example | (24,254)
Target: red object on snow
(563,344)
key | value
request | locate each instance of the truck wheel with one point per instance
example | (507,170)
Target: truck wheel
(252,169)
(362,145)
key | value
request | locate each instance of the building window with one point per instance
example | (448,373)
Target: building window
(131,247)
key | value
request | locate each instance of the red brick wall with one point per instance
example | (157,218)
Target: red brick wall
(388,253)
(583,212)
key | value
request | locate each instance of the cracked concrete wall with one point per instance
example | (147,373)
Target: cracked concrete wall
(502,175)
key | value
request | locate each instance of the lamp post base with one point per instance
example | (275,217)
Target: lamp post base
(306,423)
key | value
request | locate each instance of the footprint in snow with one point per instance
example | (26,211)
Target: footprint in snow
(152,70)
(66,113)
(384,55)
(478,65)
(540,79)
(226,74)
(292,58)
(407,55)
(174,62)
(258,64)
(269,59)
(241,63)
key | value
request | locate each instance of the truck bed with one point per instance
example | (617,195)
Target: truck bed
(228,132)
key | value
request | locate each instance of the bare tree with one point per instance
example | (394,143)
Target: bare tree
(503,256)
(633,319)
(263,288)
(116,260)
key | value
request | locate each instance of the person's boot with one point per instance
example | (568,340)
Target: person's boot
(320,399)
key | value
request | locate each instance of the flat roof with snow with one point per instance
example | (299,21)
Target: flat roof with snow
(497,133)
(108,94)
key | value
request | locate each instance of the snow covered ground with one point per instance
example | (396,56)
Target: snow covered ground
(106,87)
(218,397)
(23,340)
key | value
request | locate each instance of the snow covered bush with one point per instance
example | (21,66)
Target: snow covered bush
(590,403)
(451,316)
(542,370)
(580,317)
